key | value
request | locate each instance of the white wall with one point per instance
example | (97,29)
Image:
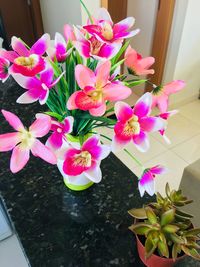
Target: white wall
(145,13)
(183,57)
(56,13)
(92,6)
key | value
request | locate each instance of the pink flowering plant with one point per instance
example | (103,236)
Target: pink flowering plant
(78,77)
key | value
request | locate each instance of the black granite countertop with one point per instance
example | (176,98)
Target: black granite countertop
(61,228)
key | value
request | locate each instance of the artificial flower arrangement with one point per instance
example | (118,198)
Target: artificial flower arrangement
(165,233)
(77,76)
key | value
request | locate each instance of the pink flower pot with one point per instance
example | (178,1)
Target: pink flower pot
(155,260)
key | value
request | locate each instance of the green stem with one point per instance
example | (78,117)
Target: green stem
(87,11)
(137,161)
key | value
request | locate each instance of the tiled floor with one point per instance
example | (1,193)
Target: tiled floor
(184,133)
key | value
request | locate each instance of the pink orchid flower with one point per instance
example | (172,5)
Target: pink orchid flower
(69,33)
(96,89)
(134,123)
(136,64)
(59,132)
(165,116)
(58,50)
(147,182)
(23,141)
(25,61)
(161,94)
(37,88)
(92,47)
(4,65)
(86,160)
(105,30)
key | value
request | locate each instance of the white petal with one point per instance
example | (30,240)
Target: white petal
(141,189)
(150,188)
(94,175)
(105,151)
(26,99)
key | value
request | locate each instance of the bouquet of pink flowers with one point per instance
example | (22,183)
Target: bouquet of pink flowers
(77,76)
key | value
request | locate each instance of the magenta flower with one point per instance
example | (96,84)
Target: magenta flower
(92,47)
(161,94)
(58,50)
(134,123)
(23,141)
(96,89)
(4,65)
(37,88)
(86,160)
(25,61)
(146,181)
(136,64)
(106,31)
(59,132)
(165,116)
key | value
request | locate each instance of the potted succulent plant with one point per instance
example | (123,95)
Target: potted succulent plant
(164,233)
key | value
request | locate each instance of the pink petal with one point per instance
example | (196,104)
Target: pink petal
(40,47)
(109,50)
(102,73)
(56,80)
(130,57)
(121,133)
(40,150)
(115,92)
(41,126)
(104,15)
(83,48)
(168,114)
(19,47)
(71,101)
(59,39)
(92,145)
(122,35)
(146,177)
(141,141)
(27,82)
(151,124)
(84,76)
(94,174)
(146,62)
(124,25)
(9,55)
(26,98)
(118,144)
(159,169)
(85,102)
(8,141)
(98,111)
(123,111)
(19,158)
(46,76)
(174,87)
(68,33)
(162,103)
(13,120)
(143,105)
(56,140)
(69,167)
(44,96)
(68,124)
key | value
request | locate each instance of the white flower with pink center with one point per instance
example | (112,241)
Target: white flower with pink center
(134,123)
(86,160)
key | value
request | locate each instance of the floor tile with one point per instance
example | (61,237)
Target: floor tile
(191,111)
(179,129)
(11,254)
(190,150)
(175,165)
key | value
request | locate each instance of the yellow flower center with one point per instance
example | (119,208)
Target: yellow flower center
(95,46)
(97,95)
(27,139)
(26,61)
(107,31)
(83,159)
(132,126)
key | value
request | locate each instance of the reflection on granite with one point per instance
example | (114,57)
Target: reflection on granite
(62,228)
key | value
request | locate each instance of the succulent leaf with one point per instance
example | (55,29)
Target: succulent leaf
(138,213)
(163,249)
(149,247)
(167,217)
(170,228)
(140,228)
(151,215)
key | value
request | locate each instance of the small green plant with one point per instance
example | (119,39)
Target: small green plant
(168,231)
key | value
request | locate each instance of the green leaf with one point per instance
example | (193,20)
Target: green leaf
(119,54)
(151,215)
(175,250)
(167,217)
(167,190)
(115,66)
(176,239)
(192,232)
(184,214)
(149,247)
(104,119)
(140,228)
(134,83)
(163,249)
(191,252)
(55,115)
(170,228)
(138,213)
